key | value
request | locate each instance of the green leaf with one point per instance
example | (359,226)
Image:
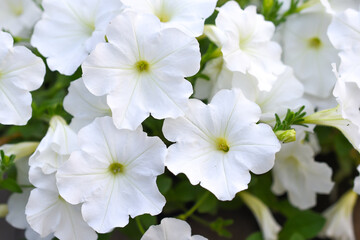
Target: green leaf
(164,183)
(209,205)
(105,236)
(255,236)
(219,227)
(297,236)
(306,223)
(11,185)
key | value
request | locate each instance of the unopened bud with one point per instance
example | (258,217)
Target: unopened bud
(3,210)
(286,136)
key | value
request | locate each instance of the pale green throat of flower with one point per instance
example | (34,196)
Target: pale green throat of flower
(222,145)
(142,66)
(315,43)
(116,168)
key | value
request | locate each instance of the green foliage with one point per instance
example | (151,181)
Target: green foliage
(271,10)
(219,226)
(291,118)
(255,236)
(8,181)
(132,230)
(307,224)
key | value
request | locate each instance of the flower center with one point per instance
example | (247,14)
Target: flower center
(222,145)
(314,42)
(116,168)
(17,9)
(142,66)
(163,15)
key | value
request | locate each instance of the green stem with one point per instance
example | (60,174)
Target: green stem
(140,226)
(195,207)
(200,220)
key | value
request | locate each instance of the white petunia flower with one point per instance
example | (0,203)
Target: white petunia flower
(18,16)
(218,144)
(297,173)
(186,15)
(310,53)
(87,107)
(268,225)
(336,6)
(17,201)
(55,148)
(171,229)
(70,29)
(346,116)
(20,72)
(347,95)
(333,118)
(344,30)
(247,47)
(48,213)
(114,174)
(286,93)
(349,68)
(141,69)
(220,77)
(339,218)
(16,216)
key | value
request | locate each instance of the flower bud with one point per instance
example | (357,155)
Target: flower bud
(286,136)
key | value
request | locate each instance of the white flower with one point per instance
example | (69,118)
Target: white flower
(18,16)
(269,227)
(220,77)
(141,69)
(336,6)
(186,15)
(171,229)
(17,201)
(114,174)
(20,72)
(339,221)
(83,105)
(297,173)
(347,95)
(333,118)
(346,116)
(344,30)
(17,218)
(248,48)
(286,93)
(310,54)
(48,213)
(70,29)
(55,148)
(217,144)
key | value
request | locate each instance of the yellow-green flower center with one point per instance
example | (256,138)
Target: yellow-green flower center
(142,66)
(116,168)
(315,43)
(222,145)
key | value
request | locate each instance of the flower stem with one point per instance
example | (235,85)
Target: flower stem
(195,207)
(140,226)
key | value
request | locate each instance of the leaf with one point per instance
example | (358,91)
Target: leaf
(297,236)
(209,205)
(164,183)
(11,185)
(306,223)
(255,236)
(219,227)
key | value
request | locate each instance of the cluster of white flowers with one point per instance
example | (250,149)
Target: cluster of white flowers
(136,57)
